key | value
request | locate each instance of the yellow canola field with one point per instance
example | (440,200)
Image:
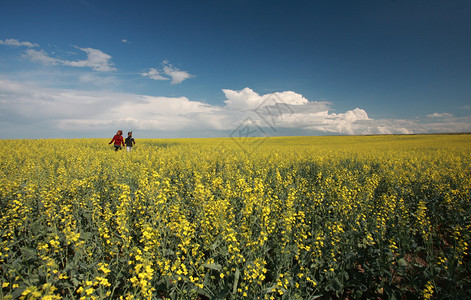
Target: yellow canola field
(237,218)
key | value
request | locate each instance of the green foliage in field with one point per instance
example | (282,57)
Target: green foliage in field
(273,218)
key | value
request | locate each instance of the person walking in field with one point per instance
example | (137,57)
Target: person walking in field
(118,140)
(129,142)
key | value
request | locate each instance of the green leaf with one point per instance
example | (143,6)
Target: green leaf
(402,262)
(17,292)
(167,252)
(86,235)
(236,281)
(214,245)
(213,266)
(29,253)
(269,290)
(75,282)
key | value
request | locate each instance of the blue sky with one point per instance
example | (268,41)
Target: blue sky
(216,68)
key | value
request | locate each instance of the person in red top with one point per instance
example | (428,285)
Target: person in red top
(118,140)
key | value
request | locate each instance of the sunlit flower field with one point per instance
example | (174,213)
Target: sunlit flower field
(376,217)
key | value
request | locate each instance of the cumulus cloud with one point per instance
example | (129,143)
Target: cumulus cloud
(17,43)
(248,99)
(97,60)
(343,123)
(171,73)
(289,109)
(38,110)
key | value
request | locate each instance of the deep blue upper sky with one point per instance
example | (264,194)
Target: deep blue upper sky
(404,65)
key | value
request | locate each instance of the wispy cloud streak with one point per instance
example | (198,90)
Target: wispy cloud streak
(17,43)
(97,60)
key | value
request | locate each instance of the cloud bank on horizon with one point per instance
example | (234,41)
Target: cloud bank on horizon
(30,110)
(82,114)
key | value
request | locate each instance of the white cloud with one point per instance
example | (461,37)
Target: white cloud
(455,124)
(440,115)
(248,99)
(41,56)
(177,75)
(345,122)
(71,110)
(125,41)
(154,74)
(33,110)
(96,59)
(172,73)
(291,110)
(16,43)
(322,120)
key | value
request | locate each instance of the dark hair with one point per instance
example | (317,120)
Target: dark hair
(129,132)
